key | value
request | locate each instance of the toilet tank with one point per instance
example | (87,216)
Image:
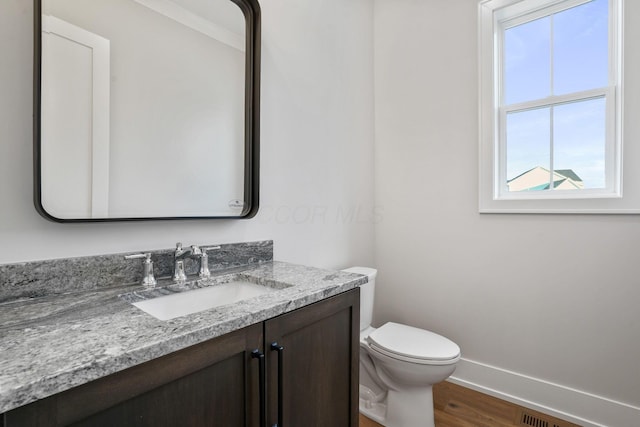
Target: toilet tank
(367,292)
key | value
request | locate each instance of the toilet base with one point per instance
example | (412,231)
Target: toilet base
(373,406)
(410,408)
(406,409)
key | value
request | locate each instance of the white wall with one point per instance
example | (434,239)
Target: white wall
(317,158)
(552,297)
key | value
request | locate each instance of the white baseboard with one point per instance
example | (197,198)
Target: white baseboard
(566,403)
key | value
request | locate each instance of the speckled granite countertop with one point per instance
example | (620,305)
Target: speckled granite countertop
(53,343)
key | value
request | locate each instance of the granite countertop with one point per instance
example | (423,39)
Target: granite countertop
(53,343)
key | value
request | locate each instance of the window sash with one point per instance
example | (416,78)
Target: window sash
(611,188)
(519,14)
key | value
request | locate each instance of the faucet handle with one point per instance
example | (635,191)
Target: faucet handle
(148,279)
(204,262)
(179,275)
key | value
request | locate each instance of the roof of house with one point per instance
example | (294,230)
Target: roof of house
(569,173)
(560,177)
(546,185)
(523,173)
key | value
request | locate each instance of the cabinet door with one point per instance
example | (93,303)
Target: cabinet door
(214,383)
(315,364)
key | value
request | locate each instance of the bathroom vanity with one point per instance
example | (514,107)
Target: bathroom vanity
(90,358)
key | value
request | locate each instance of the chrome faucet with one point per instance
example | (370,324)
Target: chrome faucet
(180,254)
(192,251)
(179,274)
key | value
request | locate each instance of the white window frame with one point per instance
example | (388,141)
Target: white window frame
(494,17)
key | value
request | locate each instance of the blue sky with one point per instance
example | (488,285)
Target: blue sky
(578,38)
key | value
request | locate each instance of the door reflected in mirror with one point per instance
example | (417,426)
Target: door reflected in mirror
(148,109)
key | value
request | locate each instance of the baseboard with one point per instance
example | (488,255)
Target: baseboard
(559,401)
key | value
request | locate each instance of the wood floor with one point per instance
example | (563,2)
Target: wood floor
(456,406)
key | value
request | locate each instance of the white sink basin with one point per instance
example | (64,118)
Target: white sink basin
(180,304)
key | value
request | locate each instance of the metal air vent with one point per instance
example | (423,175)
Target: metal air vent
(533,421)
(539,421)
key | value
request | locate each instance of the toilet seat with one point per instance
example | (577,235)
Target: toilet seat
(414,345)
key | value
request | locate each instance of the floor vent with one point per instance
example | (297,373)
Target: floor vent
(540,420)
(533,421)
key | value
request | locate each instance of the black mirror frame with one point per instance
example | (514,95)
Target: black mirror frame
(251,11)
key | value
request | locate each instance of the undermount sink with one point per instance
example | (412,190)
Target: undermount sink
(168,307)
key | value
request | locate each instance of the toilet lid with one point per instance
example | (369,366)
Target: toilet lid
(412,344)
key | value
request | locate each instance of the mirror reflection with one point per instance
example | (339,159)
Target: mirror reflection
(142,109)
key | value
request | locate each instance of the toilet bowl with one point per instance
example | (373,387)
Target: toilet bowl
(399,365)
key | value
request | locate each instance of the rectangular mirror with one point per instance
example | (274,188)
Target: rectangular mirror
(146,109)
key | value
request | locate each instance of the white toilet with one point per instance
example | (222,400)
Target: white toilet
(399,365)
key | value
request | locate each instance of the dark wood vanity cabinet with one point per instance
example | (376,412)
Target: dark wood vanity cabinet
(212,383)
(310,378)
(312,364)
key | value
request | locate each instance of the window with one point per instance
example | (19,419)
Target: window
(551,109)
